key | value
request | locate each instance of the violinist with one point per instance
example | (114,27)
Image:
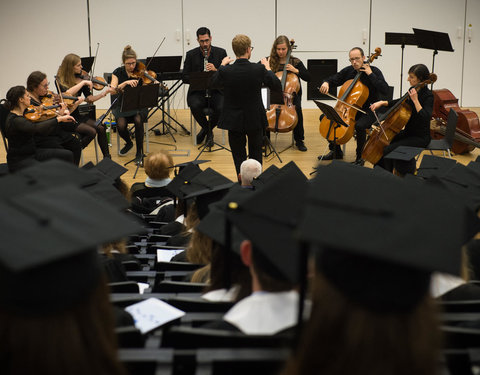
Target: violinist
(243,113)
(378,88)
(204,58)
(281,47)
(62,137)
(121,78)
(73,82)
(417,130)
(20,132)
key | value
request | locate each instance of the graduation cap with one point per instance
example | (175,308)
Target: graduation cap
(48,256)
(214,223)
(111,169)
(179,167)
(434,166)
(404,153)
(381,238)
(183,178)
(268,220)
(206,187)
(268,173)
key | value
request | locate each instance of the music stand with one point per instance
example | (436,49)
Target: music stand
(335,122)
(201,81)
(160,65)
(274,97)
(87,63)
(401,39)
(434,40)
(135,99)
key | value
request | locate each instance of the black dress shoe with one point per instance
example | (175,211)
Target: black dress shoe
(125,149)
(301,146)
(201,136)
(329,156)
(359,162)
(209,141)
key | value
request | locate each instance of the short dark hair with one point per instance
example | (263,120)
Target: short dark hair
(360,49)
(34,79)
(14,95)
(203,31)
(420,71)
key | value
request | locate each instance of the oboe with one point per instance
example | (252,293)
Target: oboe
(205,60)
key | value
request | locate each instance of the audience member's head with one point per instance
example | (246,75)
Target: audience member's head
(158,165)
(249,170)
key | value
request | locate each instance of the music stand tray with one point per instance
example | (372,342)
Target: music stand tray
(400,39)
(87,63)
(433,40)
(163,64)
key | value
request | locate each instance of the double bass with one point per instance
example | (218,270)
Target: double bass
(393,121)
(352,97)
(467,133)
(283,118)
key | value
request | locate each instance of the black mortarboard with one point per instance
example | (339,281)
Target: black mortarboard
(265,176)
(206,187)
(269,217)
(381,237)
(434,166)
(213,224)
(111,169)
(48,249)
(106,192)
(462,175)
(404,153)
(183,178)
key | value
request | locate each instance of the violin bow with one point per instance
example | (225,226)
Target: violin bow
(94,61)
(344,102)
(155,53)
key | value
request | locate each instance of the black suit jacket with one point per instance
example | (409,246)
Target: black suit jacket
(242,82)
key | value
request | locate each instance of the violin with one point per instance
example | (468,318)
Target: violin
(283,118)
(467,132)
(51,98)
(140,72)
(352,96)
(394,120)
(41,112)
(98,82)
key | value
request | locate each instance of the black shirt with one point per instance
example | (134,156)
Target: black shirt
(194,61)
(377,86)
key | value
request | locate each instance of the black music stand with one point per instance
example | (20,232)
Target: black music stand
(87,63)
(161,65)
(273,97)
(401,39)
(335,122)
(135,99)
(434,40)
(201,81)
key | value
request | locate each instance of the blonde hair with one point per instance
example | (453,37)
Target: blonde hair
(240,44)
(66,74)
(128,53)
(158,165)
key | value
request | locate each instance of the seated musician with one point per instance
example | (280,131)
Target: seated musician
(22,150)
(417,130)
(281,47)
(122,77)
(72,82)
(37,87)
(375,82)
(204,58)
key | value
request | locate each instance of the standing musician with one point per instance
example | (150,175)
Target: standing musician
(374,80)
(62,137)
(417,130)
(20,132)
(121,78)
(243,113)
(204,58)
(278,55)
(72,82)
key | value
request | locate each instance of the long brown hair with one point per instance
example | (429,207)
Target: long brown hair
(343,338)
(274,59)
(66,74)
(74,342)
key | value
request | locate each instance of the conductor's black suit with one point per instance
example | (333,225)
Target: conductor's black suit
(243,113)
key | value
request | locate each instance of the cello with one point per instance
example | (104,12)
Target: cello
(467,133)
(352,97)
(393,121)
(283,118)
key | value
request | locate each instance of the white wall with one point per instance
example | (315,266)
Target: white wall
(37,37)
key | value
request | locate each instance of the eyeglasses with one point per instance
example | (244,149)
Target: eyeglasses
(354,59)
(131,63)
(45,85)
(252,47)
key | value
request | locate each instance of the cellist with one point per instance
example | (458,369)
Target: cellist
(417,130)
(378,88)
(277,59)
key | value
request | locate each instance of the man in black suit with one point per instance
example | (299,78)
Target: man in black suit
(243,113)
(205,58)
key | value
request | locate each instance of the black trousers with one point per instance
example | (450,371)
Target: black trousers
(402,166)
(197,102)
(238,142)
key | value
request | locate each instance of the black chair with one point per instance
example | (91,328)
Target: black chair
(3,117)
(196,304)
(147,361)
(457,341)
(445,144)
(129,337)
(168,286)
(467,306)
(124,287)
(176,266)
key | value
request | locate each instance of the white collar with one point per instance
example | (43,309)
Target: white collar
(441,283)
(264,313)
(222,295)
(150,182)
